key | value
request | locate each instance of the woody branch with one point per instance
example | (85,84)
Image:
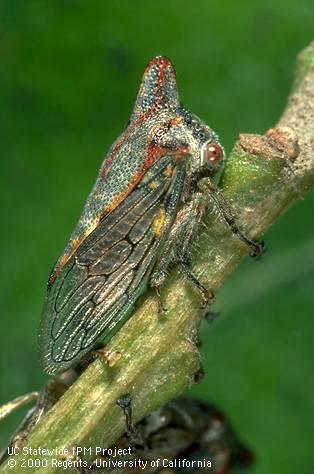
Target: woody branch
(263,177)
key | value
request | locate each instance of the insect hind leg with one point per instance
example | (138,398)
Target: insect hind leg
(207,295)
(135,439)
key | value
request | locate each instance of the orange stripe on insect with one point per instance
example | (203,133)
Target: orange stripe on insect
(123,138)
(154,184)
(78,241)
(159,222)
(169,171)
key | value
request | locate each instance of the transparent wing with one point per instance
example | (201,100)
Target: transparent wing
(101,282)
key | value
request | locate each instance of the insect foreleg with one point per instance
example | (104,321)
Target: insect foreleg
(256,248)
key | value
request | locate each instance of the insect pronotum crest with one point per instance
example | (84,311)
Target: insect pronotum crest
(144,201)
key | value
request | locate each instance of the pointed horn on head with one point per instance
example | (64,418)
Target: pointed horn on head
(158,88)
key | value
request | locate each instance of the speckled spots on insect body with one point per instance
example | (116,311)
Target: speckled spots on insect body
(128,232)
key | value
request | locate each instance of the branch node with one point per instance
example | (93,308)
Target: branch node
(280,143)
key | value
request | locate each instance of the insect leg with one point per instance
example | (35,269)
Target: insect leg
(176,248)
(160,272)
(161,307)
(207,295)
(45,399)
(18,402)
(256,248)
(125,403)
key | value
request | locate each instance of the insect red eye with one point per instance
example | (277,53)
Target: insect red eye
(214,153)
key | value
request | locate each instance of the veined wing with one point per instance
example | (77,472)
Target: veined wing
(98,286)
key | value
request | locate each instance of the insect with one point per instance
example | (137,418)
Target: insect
(187,432)
(185,435)
(146,205)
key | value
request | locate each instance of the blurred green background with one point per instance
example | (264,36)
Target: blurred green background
(69,75)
